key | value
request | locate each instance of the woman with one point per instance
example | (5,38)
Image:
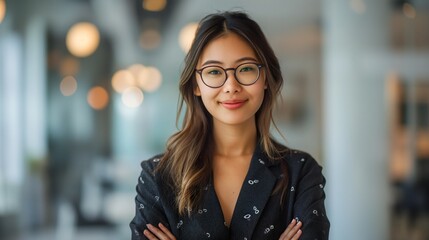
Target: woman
(222,175)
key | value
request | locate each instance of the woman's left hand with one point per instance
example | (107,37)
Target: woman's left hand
(158,233)
(293,231)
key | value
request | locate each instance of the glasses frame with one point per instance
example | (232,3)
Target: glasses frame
(225,70)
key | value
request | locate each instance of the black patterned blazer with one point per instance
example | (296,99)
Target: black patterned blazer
(257,214)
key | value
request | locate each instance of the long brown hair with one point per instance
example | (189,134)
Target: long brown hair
(186,162)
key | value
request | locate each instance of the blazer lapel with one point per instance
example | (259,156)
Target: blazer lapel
(209,216)
(254,194)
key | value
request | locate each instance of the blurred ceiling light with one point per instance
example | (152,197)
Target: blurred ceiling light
(358,6)
(98,98)
(69,66)
(2,10)
(150,39)
(150,79)
(187,35)
(82,39)
(132,97)
(154,5)
(408,10)
(122,80)
(136,70)
(68,86)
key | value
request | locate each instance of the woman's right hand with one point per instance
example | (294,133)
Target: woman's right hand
(292,232)
(158,233)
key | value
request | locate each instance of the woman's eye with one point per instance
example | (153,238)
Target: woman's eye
(214,72)
(246,69)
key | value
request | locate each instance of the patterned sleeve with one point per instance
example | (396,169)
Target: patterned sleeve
(309,205)
(148,204)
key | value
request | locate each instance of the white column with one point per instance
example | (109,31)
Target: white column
(35,89)
(355,134)
(11,115)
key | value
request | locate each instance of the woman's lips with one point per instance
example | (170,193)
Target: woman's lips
(233,104)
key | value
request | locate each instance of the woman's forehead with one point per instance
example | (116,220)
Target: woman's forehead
(228,48)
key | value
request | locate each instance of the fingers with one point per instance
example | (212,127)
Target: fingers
(166,231)
(293,231)
(149,235)
(297,235)
(155,231)
(161,233)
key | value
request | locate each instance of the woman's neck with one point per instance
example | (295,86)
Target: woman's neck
(234,140)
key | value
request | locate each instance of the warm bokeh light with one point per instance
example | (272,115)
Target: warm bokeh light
(358,6)
(122,80)
(2,10)
(409,10)
(82,39)
(98,98)
(132,97)
(68,86)
(69,66)
(154,5)
(187,35)
(149,79)
(136,70)
(150,39)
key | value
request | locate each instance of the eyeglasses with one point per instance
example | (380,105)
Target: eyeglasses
(215,76)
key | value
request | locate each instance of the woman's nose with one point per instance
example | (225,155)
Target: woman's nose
(231,84)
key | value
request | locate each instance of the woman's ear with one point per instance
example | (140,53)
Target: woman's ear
(197,91)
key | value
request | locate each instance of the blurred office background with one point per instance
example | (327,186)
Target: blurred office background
(88,89)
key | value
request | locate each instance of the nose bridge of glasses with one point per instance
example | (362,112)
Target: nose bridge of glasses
(233,73)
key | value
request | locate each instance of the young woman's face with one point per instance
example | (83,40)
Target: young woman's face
(232,103)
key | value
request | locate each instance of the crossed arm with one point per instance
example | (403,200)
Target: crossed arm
(292,232)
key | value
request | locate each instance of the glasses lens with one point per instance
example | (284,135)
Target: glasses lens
(247,73)
(213,76)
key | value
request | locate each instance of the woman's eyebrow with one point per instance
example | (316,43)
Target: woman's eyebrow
(243,59)
(246,59)
(211,62)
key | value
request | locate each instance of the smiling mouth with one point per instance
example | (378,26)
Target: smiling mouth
(233,104)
